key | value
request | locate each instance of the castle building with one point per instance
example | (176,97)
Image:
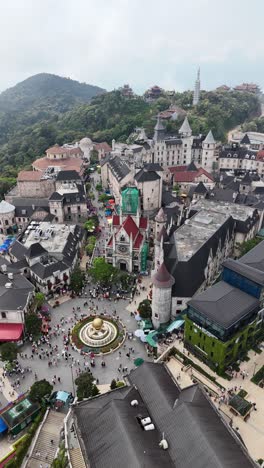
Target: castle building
(197,88)
(127,246)
(183,148)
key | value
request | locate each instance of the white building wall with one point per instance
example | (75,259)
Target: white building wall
(161,306)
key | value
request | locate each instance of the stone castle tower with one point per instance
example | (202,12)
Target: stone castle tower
(197,88)
(208,152)
(161,296)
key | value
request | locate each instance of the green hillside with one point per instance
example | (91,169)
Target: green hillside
(56,116)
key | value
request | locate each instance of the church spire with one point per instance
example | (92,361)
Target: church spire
(197,88)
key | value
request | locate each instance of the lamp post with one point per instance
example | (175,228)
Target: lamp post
(73,385)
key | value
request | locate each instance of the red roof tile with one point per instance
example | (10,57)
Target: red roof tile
(29,175)
(130,227)
(116,220)
(190,176)
(138,241)
(143,223)
(103,146)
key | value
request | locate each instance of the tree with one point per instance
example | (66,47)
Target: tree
(99,187)
(77,280)
(61,461)
(39,390)
(102,272)
(94,157)
(144,309)
(248,245)
(90,245)
(103,198)
(39,299)
(85,386)
(8,352)
(89,225)
(113,384)
(176,188)
(33,324)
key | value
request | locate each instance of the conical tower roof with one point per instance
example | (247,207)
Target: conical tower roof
(159,125)
(192,167)
(161,216)
(209,138)
(185,128)
(162,278)
(245,140)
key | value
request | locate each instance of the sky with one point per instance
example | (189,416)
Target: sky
(141,42)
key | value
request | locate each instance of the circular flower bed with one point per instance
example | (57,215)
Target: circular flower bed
(80,332)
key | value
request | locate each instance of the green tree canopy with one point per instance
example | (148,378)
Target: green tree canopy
(8,352)
(144,309)
(77,280)
(113,384)
(102,272)
(33,324)
(89,225)
(39,299)
(248,245)
(94,157)
(85,386)
(40,389)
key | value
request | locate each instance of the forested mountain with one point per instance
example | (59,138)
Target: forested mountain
(50,114)
(46,91)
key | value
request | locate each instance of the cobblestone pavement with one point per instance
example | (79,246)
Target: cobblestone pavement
(64,369)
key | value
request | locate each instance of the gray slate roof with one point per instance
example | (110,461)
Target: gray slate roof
(245,270)
(44,271)
(119,168)
(255,257)
(223,303)
(145,175)
(17,295)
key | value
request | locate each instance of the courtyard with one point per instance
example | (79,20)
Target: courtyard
(67,367)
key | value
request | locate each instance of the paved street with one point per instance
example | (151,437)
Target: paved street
(64,369)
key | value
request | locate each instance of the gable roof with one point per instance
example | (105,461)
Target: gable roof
(188,175)
(245,140)
(35,250)
(146,175)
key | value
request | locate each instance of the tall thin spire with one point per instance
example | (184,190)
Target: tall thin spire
(197,87)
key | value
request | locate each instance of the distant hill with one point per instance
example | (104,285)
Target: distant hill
(47,109)
(51,91)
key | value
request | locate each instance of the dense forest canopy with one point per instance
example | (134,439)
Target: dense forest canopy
(46,109)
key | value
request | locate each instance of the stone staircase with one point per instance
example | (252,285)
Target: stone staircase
(49,431)
(76,458)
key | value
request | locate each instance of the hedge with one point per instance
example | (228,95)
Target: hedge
(256,379)
(23,444)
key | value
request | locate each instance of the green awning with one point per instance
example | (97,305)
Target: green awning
(150,339)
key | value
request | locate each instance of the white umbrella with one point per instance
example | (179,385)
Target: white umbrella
(139,333)
(137,317)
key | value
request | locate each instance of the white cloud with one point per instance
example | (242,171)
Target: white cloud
(108,42)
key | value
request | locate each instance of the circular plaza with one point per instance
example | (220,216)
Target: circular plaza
(98,334)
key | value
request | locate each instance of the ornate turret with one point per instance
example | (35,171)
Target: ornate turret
(159,130)
(160,221)
(161,296)
(185,129)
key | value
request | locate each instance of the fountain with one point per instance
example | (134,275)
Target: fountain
(98,333)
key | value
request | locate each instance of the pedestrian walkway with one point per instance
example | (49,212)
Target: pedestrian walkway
(252,430)
(47,442)
(76,458)
(8,392)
